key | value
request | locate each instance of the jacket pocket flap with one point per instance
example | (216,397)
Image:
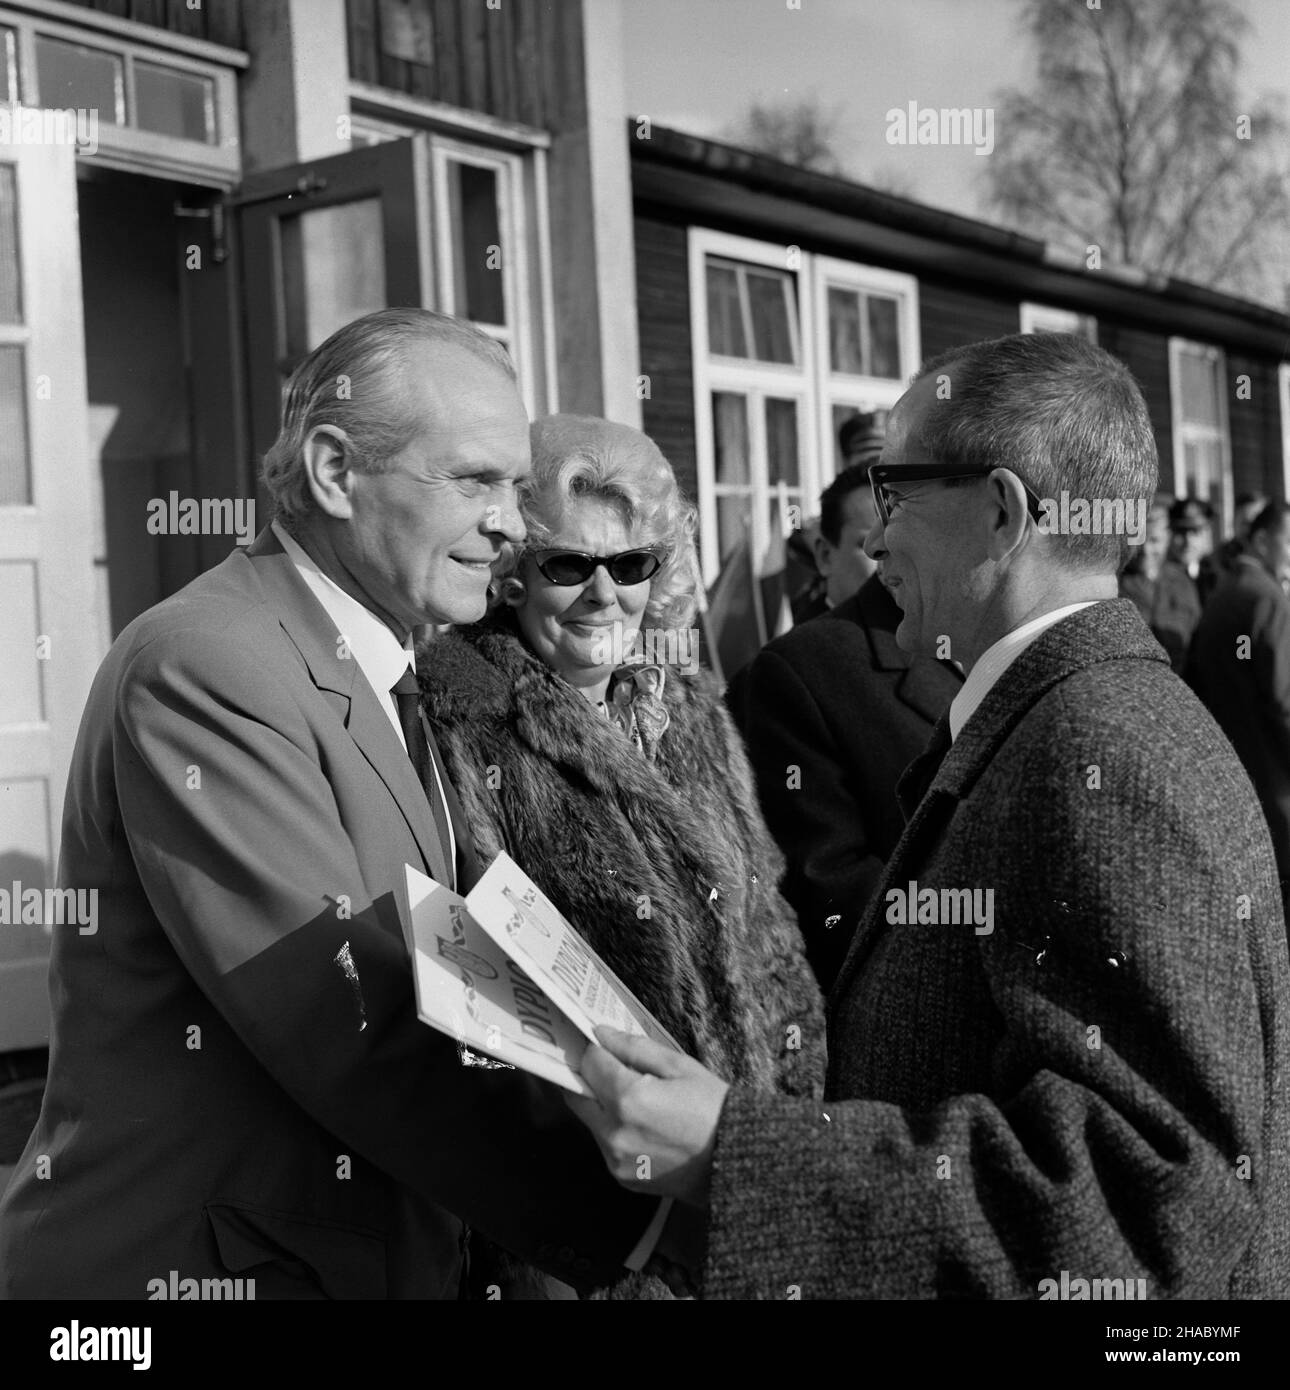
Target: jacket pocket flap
(342,1261)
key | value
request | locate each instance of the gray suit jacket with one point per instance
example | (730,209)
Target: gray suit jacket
(1099,1084)
(239,1085)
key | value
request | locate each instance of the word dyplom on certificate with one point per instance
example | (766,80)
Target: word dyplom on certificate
(524,923)
(473,990)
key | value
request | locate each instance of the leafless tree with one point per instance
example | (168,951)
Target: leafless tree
(1135,139)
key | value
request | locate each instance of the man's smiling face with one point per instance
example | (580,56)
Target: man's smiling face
(423,535)
(930,548)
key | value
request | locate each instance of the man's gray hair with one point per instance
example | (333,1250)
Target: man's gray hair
(354,382)
(1059,412)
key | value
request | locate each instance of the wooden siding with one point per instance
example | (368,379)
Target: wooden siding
(1255,427)
(667,357)
(1146,355)
(950,316)
(519,62)
(218,21)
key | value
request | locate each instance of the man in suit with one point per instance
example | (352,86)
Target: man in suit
(239,1085)
(1161,589)
(1240,666)
(1059,1045)
(832,713)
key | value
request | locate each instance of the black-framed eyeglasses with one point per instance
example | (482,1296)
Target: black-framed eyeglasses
(568,567)
(886,499)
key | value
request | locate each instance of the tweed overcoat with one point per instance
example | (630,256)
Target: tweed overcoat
(667,869)
(1098,1085)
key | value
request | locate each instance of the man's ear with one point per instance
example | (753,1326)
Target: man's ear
(823,551)
(327,455)
(1011,519)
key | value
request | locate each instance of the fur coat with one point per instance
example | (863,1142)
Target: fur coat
(666,868)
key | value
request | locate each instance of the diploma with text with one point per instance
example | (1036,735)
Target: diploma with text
(504,973)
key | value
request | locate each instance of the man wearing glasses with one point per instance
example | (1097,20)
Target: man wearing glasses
(1059,1043)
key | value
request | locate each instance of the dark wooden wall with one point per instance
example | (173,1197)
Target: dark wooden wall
(519,62)
(1255,427)
(220,21)
(667,356)
(950,315)
(1146,354)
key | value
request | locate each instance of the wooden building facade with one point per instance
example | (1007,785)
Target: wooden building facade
(773,302)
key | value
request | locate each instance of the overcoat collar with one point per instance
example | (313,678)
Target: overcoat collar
(1110,630)
(313,634)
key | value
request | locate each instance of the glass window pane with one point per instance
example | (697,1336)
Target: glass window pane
(15,472)
(734,518)
(8,73)
(333,270)
(768,299)
(730,436)
(174,103)
(884,337)
(844,332)
(477,240)
(10,279)
(725,321)
(781,441)
(70,74)
(1199,388)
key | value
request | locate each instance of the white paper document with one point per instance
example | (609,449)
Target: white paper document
(525,924)
(503,973)
(469,988)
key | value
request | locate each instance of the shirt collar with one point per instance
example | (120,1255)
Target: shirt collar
(996,659)
(381,657)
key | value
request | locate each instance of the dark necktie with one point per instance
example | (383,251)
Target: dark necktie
(407,698)
(921,773)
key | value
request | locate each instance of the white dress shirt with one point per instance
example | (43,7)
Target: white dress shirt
(381,657)
(996,659)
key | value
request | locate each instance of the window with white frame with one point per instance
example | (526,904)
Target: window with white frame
(1044,318)
(168,107)
(870,345)
(1198,407)
(1283,392)
(753,394)
(491,259)
(787,346)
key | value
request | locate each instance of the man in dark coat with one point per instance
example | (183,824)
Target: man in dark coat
(1240,666)
(1161,589)
(832,713)
(239,1085)
(1060,1045)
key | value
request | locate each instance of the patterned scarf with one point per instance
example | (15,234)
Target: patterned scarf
(635,705)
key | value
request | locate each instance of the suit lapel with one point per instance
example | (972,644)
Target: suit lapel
(338,676)
(918,685)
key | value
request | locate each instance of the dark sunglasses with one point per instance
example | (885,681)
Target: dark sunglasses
(567,567)
(886,499)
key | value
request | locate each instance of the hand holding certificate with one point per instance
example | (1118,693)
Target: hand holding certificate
(504,973)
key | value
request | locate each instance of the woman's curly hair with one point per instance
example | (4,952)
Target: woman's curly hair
(584,456)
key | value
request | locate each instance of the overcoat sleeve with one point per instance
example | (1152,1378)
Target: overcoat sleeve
(242,853)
